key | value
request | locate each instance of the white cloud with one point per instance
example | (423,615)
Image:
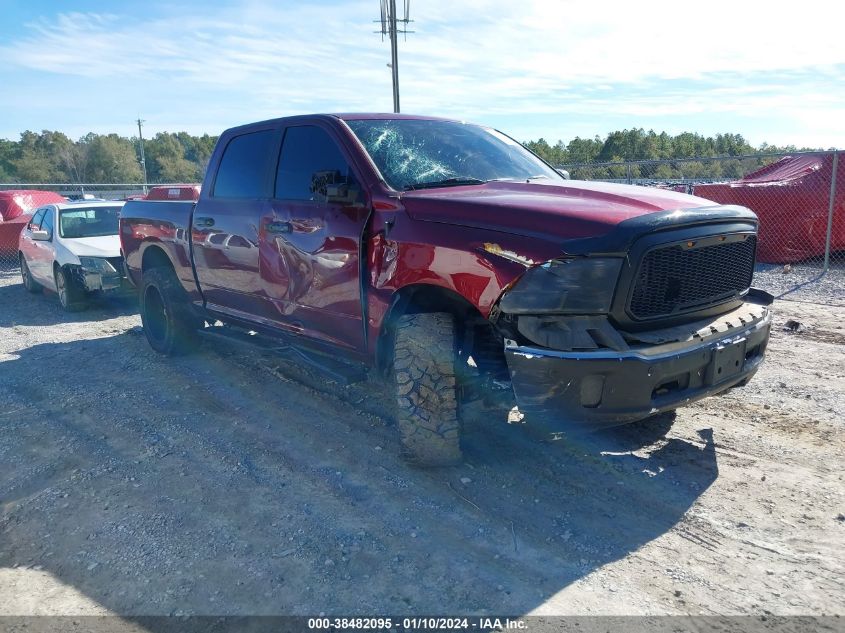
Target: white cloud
(473,59)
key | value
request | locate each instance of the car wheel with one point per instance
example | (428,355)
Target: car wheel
(26,275)
(169,322)
(424,360)
(71,296)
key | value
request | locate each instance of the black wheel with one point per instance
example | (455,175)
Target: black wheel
(71,296)
(424,359)
(169,322)
(26,275)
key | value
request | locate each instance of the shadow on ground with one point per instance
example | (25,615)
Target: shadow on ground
(203,486)
(20,307)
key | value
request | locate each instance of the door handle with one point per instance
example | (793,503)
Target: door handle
(203,222)
(279,227)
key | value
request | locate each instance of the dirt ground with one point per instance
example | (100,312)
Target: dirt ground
(227,483)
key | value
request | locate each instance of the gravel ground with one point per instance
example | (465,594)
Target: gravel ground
(804,282)
(227,483)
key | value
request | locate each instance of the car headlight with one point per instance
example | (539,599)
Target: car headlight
(564,286)
(97,265)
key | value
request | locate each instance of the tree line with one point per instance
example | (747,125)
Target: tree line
(51,156)
(637,145)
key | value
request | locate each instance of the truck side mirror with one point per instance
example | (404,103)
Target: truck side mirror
(334,187)
(41,236)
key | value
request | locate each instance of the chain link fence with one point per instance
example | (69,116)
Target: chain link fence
(798,197)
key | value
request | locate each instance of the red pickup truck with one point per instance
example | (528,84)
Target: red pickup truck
(448,259)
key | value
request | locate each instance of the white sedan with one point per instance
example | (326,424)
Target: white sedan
(74,249)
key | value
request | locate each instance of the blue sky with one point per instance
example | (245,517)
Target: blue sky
(555,69)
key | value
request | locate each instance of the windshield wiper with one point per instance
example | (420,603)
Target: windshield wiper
(519,178)
(446,182)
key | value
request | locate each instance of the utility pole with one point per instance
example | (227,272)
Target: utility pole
(394,56)
(389,27)
(143,160)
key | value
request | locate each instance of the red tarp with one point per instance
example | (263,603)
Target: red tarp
(15,202)
(16,206)
(174,192)
(791,198)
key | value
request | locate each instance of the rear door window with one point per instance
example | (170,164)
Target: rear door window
(244,170)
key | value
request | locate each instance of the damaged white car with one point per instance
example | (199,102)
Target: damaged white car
(74,249)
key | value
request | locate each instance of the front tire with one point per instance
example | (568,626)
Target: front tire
(26,275)
(71,296)
(169,323)
(424,359)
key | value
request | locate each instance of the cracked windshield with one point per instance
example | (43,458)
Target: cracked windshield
(417,154)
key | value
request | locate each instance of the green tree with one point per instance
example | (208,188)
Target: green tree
(8,153)
(175,157)
(584,150)
(541,148)
(36,160)
(75,158)
(663,171)
(112,158)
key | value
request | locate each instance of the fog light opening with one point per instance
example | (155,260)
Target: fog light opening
(592,388)
(676,383)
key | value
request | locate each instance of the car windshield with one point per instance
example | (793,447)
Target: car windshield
(88,222)
(417,154)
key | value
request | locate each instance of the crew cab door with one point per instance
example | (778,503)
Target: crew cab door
(226,222)
(310,254)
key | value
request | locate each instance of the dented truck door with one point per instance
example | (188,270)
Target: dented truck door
(319,211)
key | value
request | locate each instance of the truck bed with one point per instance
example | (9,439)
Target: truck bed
(164,225)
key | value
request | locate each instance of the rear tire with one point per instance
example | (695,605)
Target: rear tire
(71,296)
(169,322)
(26,275)
(424,359)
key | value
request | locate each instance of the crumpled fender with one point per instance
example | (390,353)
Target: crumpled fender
(477,265)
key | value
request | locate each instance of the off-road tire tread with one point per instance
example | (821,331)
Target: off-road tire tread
(426,395)
(183,323)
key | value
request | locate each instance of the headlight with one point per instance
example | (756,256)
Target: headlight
(97,265)
(564,286)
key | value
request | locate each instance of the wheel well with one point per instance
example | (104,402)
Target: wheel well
(154,257)
(426,298)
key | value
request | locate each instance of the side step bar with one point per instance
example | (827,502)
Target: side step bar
(340,372)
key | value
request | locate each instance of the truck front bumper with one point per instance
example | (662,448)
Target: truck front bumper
(584,391)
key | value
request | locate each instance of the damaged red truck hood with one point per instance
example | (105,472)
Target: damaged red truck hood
(571,210)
